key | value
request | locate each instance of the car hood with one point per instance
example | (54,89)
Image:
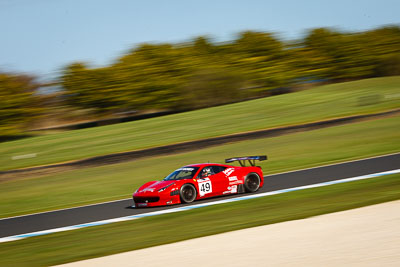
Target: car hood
(154,187)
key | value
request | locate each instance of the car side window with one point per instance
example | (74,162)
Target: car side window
(210,170)
(218,169)
(206,171)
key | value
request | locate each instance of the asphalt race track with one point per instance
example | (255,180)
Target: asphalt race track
(86,214)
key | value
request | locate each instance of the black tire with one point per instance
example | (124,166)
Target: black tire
(252,182)
(188,193)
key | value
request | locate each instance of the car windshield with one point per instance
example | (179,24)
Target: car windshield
(182,173)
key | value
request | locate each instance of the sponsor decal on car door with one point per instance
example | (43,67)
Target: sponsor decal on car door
(233,181)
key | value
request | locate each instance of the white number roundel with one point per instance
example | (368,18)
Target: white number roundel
(205,187)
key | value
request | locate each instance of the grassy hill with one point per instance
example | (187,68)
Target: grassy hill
(319,103)
(118,181)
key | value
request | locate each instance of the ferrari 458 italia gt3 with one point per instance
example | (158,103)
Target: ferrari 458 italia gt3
(198,181)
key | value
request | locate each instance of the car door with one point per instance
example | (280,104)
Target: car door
(212,181)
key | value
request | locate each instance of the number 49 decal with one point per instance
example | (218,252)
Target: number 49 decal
(205,187)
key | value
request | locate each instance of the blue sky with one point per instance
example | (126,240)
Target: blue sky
(42,36)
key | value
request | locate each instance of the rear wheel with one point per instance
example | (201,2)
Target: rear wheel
(252,182)
(188,193)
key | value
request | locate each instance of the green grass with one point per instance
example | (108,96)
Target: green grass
(151,231)
(324,102)
(288,152)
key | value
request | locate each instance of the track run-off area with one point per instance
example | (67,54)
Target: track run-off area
(25,226)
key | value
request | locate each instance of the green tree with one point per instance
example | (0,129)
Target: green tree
(212,86)
(152,74)
(262,59)
(18,103)
(339,56)
(95,89)
(382,47)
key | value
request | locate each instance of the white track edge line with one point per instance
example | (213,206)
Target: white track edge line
(137,216)
(272,174)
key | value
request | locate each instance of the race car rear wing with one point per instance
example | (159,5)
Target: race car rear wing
(251,160)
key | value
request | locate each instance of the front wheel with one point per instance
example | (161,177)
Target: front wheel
(252,182)
(188,193)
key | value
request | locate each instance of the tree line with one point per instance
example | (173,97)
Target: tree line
(202,73)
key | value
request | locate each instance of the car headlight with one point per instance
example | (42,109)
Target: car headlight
(165,187)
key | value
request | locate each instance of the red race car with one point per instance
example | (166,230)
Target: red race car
(198,181)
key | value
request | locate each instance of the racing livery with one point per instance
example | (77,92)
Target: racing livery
(198,181)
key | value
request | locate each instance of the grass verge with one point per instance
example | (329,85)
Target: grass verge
(151,231)
(289,152)
(324,102)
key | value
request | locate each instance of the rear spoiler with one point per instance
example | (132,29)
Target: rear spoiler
(251,160)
